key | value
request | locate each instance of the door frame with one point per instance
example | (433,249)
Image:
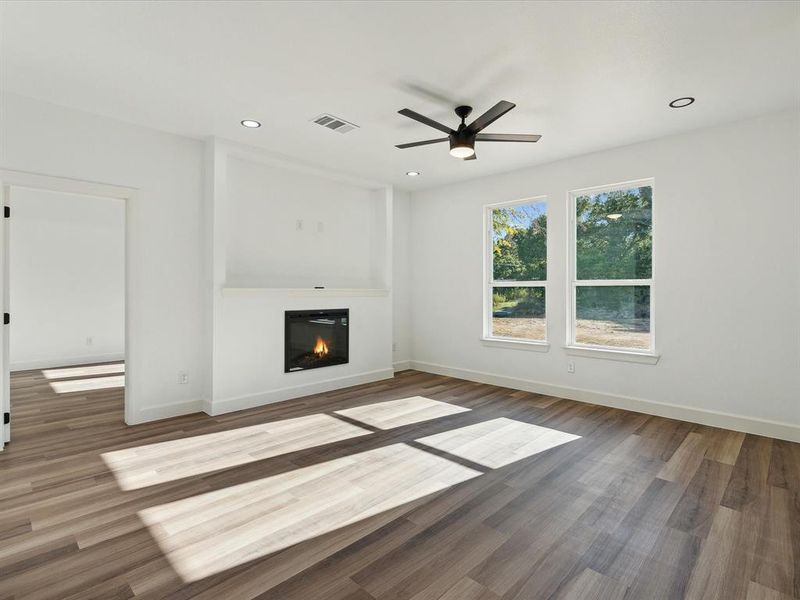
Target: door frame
(10,179)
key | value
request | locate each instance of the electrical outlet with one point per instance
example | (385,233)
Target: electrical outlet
(394,346)
(183,377)
(320,227)
(89,341)
(570,367)
(299,225)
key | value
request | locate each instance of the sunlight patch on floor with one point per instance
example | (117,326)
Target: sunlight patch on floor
(152,464)
(498,442)
(209,533)
(83,371)
(396,413)
(84,385)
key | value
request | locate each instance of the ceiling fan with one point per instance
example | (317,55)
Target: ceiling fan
(462,140)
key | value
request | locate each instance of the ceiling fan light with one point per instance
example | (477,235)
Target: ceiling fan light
(462,151)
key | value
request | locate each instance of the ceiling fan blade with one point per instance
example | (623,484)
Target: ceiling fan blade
(491,115)
(506,137)
(423,143)
(407,112)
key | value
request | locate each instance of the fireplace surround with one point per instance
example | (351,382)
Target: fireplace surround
(316,338)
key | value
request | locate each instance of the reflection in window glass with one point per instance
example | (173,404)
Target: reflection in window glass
(615,316)
(519,242)
(518,312)
(614,234)
(517,255)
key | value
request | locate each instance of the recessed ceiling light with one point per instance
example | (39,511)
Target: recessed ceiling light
(614,216)
(251,124)
(681,102)
(413,173)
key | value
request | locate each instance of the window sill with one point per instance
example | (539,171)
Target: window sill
(646,358)
(515,344)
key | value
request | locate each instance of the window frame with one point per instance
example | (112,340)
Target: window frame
(489,283)
(573,283)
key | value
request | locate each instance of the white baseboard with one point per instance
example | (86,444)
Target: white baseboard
(226,405)
(207,406)
(165,411)
(774,429)
(51,363)
(401,365)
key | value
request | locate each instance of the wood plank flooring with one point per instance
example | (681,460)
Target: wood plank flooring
(422,487)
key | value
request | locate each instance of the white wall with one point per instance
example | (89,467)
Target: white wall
(67,275)
(259,254)
(726,311)
(166,245)
(334,248)
(727,249)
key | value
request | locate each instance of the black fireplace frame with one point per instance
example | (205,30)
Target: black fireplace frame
(328,312)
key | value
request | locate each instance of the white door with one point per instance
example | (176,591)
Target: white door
(5,379)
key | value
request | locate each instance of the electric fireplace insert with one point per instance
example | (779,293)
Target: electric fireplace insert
(316,338)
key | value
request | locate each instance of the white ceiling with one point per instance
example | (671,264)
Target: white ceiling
(585,75)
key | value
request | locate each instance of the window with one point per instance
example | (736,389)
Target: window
(516,266)
(612,267)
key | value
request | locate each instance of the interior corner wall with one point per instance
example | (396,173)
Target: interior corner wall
(165,241)
(401,270)
(727,282)
(67,279)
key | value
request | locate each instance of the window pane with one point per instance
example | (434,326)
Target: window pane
(617,316)
(614,234)
(518,312)
(519,242)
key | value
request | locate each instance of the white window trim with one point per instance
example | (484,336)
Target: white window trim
(608,353)
(487,339)
(516,343)
(574,348)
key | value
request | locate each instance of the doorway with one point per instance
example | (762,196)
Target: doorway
(65,288)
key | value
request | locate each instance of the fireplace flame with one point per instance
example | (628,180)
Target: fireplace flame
(321,348)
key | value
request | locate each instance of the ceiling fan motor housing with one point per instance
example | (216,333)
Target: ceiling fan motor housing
(463,112)
(462,137)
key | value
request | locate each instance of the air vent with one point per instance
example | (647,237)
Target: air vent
(335,123)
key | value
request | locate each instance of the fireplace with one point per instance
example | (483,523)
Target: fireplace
(316,338)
